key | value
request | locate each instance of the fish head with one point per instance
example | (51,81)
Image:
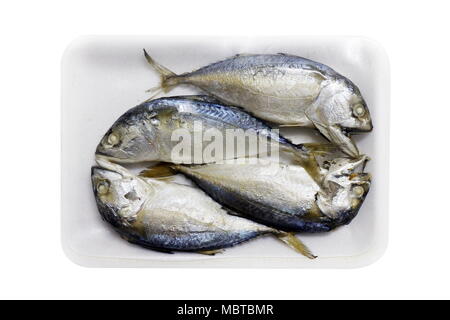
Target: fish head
(344,188)
(119,195)
(132,138)
(341,104)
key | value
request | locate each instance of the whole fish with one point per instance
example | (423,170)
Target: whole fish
(282,196)
(283,89)
(167,216)
(145,132)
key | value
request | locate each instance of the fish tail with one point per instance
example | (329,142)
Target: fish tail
(308,161)
(159,171)
(168,78)
(294,243)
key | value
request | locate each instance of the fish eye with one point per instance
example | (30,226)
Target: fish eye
(358,191)
(113,139)
(103,187)
(359,110)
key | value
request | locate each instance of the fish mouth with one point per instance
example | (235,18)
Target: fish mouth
(368,127)
(102,151)
(366,177)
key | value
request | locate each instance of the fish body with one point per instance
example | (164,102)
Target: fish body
(283,89)
(167,216)
(146,132)
(284,196)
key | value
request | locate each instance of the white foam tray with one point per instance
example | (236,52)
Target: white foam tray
(103,76)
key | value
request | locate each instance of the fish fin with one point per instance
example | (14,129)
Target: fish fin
(168,78)
(319,148)
(342,140)
(211,252)
(156,92)
(159,171)
(288,125)
(293,242)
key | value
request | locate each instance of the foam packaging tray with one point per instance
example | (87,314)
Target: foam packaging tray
(103,76)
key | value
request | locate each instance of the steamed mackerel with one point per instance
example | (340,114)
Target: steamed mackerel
(145,132)
(283,89)
(167,216)
(283,196)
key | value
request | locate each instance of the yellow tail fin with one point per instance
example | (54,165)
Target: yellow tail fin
(293,242)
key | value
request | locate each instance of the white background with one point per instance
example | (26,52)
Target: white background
(33,36)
